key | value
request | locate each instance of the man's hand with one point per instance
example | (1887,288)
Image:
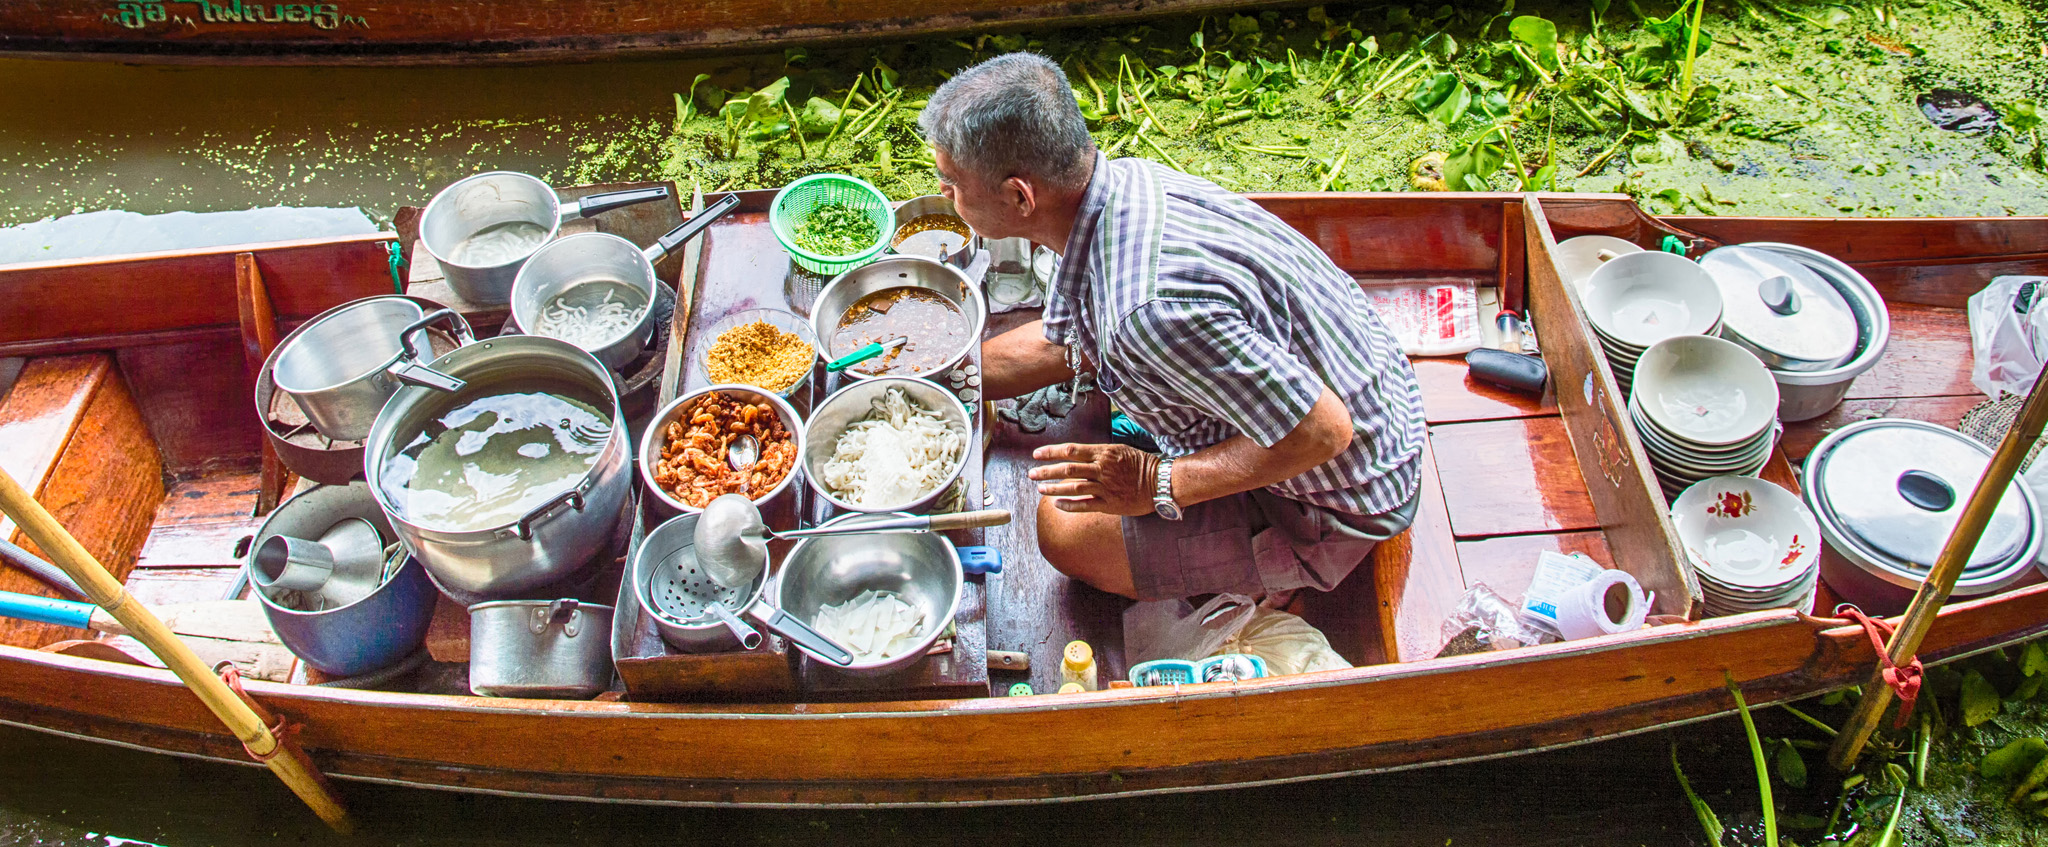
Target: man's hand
(1109,478)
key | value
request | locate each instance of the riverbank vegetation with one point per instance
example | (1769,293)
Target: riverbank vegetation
(1706,107)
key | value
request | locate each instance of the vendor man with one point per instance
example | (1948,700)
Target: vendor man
(1289,421)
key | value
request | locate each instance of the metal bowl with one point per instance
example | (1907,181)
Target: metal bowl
(854,402)
(897,272)
(933,204)
(782,320)
(652,440)
(923,568)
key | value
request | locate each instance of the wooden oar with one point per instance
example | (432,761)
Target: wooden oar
(1934,591)
(289,764)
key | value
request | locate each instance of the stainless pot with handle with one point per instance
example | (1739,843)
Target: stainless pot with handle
(482,228)
(343,366)
(545,543)
(556,649)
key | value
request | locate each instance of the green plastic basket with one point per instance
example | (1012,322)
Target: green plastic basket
(796,202)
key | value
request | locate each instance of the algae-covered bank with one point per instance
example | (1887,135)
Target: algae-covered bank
(1743,107)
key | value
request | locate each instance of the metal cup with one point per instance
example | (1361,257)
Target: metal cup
(476,203)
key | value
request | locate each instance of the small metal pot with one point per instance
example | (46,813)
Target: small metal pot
(898,272)
(341,366)
(555,649)
(475,203)
(556,538)
(374,632)
(856,401)
(933,204)
(567,262)
(923,568)
(1805,395)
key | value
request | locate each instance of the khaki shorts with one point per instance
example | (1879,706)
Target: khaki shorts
(1254,543)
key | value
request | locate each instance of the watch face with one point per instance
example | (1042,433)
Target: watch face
(1166,509)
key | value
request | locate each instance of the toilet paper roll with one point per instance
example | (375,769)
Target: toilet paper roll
(1612,602)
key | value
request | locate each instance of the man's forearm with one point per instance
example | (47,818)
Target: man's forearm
(1240,464)
(1021,361)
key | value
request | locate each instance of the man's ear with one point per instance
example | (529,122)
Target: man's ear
(1022,195)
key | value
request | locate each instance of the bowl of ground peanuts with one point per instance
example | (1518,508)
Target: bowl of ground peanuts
(767,348)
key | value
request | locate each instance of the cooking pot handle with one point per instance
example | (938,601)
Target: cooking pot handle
(410,371)
(597,204)
(524,528)
(690,228)
(562,611)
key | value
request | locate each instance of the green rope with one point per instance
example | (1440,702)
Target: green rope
(397,258)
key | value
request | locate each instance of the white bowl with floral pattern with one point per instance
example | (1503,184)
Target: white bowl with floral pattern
(1748,535)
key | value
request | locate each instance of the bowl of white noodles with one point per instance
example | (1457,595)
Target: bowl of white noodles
(888,444)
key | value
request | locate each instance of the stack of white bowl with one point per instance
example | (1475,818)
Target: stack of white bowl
(1635,300)
(1705,407)
(1754,545)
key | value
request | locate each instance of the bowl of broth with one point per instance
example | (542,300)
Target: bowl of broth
(930,303)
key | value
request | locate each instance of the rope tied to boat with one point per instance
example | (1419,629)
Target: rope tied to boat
(1904,679)
(397,257)
(280,729)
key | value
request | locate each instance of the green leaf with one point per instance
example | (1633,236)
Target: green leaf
(1540,35)
(1243,24)
(686,104)
(734,112)
(1468,168)
(2023,116)
(885,76)
(1239,78)
(763,106)
(1980,700)
(820,114)
(1709,821)
(1195,40)
(2029,687)
(1791,766)
(1834,698)
(1805,821)
(1444,98)
(2013,759)
(709,98)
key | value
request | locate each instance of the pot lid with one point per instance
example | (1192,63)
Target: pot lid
(1780,307)
(1898,486)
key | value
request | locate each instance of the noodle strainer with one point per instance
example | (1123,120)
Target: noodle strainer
(684,601)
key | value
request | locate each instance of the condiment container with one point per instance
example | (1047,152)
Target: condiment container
(1077,665)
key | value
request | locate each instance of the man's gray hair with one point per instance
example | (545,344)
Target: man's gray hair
(1013,115)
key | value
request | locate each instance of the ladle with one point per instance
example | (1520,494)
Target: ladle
(732,540)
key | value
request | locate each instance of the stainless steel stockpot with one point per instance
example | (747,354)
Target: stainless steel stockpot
(476,203)
(343,365)
(556,538)
(555,649)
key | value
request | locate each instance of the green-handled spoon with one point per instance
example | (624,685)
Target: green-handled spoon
(865,353)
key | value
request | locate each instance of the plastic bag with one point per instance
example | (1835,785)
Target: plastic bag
(2008,334)
(1429,318)
(1175,629)
(1482,621)
(1287,643)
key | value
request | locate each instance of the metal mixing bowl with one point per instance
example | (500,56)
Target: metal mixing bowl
(653,440)
(923,568)
(897,272)
(856,401)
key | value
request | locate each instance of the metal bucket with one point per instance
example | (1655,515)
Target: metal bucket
(554,539)
(478,203)
(374,632)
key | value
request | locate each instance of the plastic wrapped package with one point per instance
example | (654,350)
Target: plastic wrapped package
(2008,334)
(1483,621)
(1429,318)
(1287,643)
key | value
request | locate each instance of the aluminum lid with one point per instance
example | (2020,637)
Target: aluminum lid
(1899,486)
(1781,309)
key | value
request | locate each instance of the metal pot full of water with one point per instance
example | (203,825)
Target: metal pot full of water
(516,480)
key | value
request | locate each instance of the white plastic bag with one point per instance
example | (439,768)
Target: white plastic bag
(1287,643)
(2008,334)
(1175,629)
(1429,318)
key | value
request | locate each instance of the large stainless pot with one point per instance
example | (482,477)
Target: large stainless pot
(341,366)
(897,272)
(556,538)
(586,257)
(474,204)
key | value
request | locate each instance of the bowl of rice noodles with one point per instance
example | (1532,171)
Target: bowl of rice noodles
(890,444)
(885,598)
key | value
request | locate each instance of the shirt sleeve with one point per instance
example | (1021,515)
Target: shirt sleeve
(1206,354)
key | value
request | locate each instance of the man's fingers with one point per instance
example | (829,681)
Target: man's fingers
(1072,488)
(1079,504)
(1066,470)
(1067,452)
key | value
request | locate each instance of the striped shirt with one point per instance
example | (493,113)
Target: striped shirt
(1206,316)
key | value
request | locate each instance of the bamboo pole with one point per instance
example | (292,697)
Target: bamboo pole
(1934,591)
(103,589)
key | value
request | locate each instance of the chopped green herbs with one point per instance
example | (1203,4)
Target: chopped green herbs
(836,229)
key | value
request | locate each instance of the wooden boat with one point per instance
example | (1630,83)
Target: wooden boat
(130,418)
(439,32)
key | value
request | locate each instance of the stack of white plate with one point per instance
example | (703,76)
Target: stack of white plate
(1635,300)
(1704,407)
(1754,545)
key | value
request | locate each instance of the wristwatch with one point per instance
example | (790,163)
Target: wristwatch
(1162,495)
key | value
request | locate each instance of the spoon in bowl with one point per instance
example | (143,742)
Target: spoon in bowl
(732,539)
